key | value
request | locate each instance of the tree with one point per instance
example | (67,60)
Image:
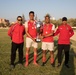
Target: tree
(59,22)
(72,21)
(23,17)
(2,25)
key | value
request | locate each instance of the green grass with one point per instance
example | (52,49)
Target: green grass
(5,49)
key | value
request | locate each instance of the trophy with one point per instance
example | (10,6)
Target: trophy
(38,26)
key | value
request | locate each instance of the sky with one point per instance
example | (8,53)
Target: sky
(10,9)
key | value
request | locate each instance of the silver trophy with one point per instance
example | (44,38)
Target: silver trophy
(38,26)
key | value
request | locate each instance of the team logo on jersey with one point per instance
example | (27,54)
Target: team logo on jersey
(34,23)
(32,27)
(60,28)
(67,28)
(46,32)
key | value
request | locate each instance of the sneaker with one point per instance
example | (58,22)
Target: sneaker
(20,65)
(26,64)
(12,66)
(35,63)
(67,65)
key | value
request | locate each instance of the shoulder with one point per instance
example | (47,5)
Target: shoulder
(53,26)
(44,25)
(69,26)
(23,26)
(26,24)
(14,25)
(60,26)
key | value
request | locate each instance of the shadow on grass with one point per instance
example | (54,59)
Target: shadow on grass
(56,57)
(31,56)
(55,44)
(71,70)
(39,56)
(39,52)
(0,73)
(56,47)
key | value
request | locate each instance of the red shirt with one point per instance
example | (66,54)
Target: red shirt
(65,32)
(32,29)
(47,30)
(16,32)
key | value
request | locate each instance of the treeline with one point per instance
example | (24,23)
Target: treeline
(4,25)
(71,21)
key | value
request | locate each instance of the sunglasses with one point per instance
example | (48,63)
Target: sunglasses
(19,19)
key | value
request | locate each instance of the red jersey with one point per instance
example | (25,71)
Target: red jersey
(16,32)
(47,30)
(65,32)
(31,28)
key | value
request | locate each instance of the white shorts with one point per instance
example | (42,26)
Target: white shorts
(30,42)
(48,46)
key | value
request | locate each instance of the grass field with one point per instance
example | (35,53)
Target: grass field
(5,46)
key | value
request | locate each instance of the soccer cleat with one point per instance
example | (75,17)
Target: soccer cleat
(20,65)
(26,64)
(12,66)
(35,63)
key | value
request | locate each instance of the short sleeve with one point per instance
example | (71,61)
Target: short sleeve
(26,24)
(53,27)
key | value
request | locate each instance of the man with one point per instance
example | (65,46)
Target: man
(47,40)
(31,34)
(65,32)
(16,32)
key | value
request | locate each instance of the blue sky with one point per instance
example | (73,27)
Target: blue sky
(10,9)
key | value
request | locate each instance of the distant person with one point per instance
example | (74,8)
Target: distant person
(65,32)
(47,40)
(31,34)
(16,32)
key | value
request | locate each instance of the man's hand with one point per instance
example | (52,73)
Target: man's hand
(34,39)
(41,37)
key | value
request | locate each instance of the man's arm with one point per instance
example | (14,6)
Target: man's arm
(57,32)
(47,35)
(71,32)
(9,31)
(51,34)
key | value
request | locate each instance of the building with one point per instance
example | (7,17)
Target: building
(4,22)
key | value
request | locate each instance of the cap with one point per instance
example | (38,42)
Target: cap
(64,19)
